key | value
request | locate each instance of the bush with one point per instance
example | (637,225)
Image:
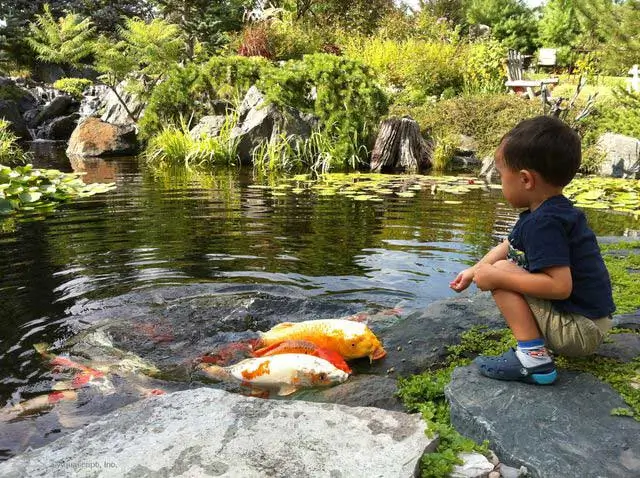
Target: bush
(484,117)
(74,86)
(189,91)
(340,92)
(417,69)
(484,68)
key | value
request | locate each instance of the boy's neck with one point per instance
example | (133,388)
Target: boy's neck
(541,194)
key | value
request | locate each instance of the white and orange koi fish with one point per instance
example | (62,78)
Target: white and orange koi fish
(286,373)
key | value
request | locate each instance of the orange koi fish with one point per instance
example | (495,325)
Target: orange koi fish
(350,339)
(304,347)
(82,378)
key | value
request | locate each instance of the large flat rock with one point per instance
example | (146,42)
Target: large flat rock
(564,430)
(208,432)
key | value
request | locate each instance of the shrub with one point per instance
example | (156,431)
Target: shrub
(74,86)
(189,91)
(484,117)
(340,92)
(484,69)
(416,68)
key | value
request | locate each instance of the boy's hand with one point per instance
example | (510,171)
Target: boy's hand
(486,276)
(463,280)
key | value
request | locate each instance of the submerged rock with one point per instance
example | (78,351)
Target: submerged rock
(207,432)
(563,430)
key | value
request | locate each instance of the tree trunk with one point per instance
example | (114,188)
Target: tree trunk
(400,146)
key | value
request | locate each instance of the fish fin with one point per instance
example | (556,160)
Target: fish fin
(287,390)
(265,350)
(283,325)
(214,371)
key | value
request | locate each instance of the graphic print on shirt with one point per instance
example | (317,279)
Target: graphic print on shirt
(518,257)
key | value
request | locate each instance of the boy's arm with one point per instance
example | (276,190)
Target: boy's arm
(464,278)
(549,283)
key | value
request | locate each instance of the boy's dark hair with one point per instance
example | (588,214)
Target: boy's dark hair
(544,144)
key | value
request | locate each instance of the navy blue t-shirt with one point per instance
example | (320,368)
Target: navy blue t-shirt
(557,234)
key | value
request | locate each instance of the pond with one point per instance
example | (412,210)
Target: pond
(226,237)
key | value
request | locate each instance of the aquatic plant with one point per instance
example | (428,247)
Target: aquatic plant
(27,189)
(10,152)
(621,195)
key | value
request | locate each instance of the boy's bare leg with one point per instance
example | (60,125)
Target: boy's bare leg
(515,308)
(530,361)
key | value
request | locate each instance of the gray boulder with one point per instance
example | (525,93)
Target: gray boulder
(622,155)
(115,112)
(488,170)
(59,129)
(563,430)
(9,111)
(59,106)
(261,122)
(206,432)
(208,126)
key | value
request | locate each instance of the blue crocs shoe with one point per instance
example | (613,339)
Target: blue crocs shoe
(508,367)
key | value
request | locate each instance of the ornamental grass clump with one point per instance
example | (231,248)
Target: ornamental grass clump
(176,146)
(10,152)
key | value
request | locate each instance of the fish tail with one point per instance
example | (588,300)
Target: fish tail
(43,349)
(214,372)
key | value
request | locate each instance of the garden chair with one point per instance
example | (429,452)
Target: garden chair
(515,77)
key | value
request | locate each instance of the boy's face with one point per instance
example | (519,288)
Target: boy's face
(513,186)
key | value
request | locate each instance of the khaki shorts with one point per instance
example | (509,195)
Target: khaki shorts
(568,334)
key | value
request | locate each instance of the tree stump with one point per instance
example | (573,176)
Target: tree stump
(400,146)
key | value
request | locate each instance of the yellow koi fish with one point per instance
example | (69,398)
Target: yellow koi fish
(350,339)
(285,373)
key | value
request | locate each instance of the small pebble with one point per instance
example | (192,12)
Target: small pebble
(494,474)
(495,461)
(399,348)
(403,360)
(391,370)
(410,342)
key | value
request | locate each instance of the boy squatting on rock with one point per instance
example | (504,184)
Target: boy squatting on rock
(548,278)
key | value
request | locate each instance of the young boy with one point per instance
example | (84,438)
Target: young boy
(548,278)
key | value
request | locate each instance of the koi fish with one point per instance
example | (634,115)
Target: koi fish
(285,373)
(39,404)
(304,347)
(350,339)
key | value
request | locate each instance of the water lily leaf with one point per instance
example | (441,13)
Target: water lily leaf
(29,197)
(406,194)
(452,202)
(6,206)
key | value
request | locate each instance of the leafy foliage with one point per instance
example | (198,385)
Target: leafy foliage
(484,70)
(340,92)
(74,86)
(145,52)
(511,22)
(203,22)
(189,92)
(66,41)
(416,69)
(24,188)
(10,151)
(484,117)
(175,146)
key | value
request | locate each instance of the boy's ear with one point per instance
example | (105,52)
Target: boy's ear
(528,179)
